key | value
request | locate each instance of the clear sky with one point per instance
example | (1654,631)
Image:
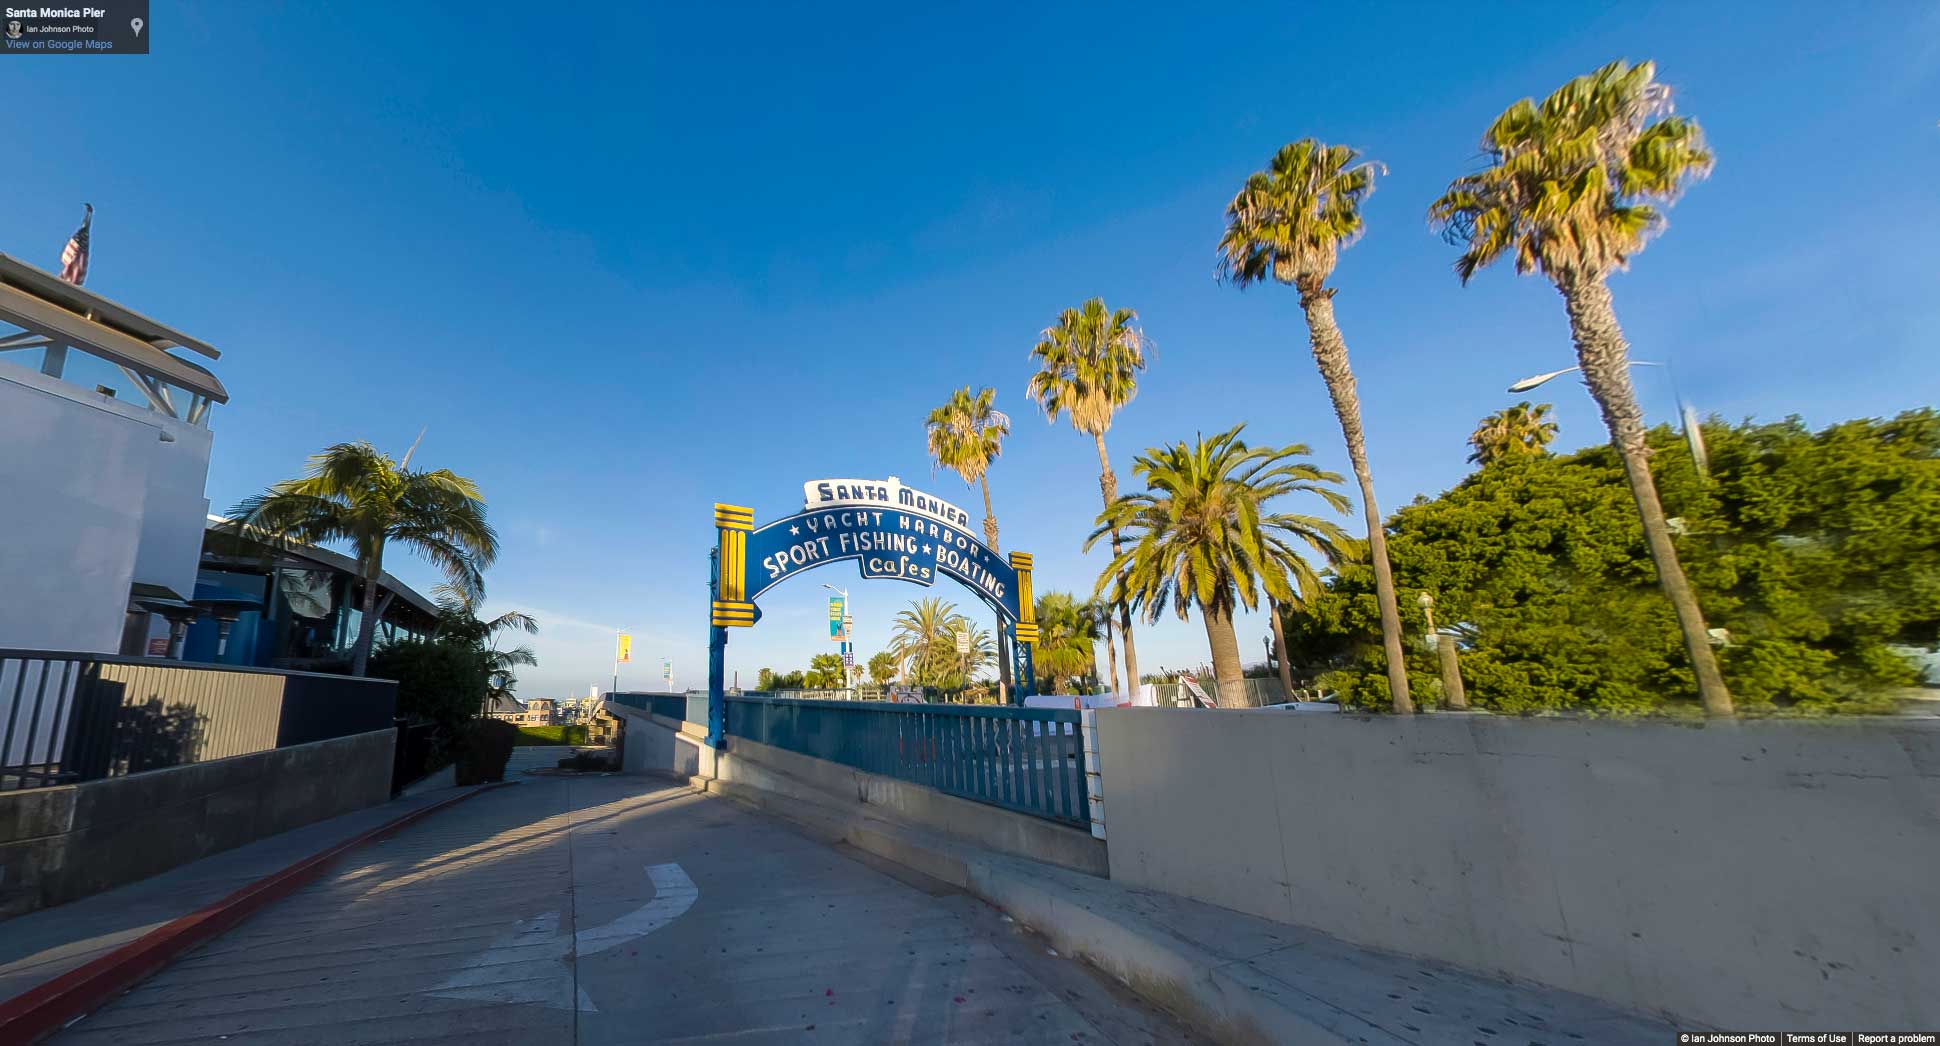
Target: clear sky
(624,261)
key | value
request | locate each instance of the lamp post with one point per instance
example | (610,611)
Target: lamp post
(848,639)
(1538,380)
(1444,647)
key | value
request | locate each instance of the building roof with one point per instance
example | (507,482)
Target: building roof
(337,561)
(48,305)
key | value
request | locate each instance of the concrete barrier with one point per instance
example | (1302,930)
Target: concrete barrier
(1741,874)
(59,844)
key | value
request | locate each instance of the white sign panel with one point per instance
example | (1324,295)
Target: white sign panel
(879,493)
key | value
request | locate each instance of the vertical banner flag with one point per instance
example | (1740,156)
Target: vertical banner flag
(836,614)
(624,654)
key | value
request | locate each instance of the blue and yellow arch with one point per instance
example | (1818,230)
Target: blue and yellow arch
(898,538)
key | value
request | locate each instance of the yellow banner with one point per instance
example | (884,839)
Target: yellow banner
(624,655)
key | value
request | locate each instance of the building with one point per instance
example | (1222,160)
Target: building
(105,421)
(290,607)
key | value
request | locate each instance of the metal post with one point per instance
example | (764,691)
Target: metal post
(716,659)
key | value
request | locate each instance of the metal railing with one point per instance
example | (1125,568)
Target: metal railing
(669,706)
(1026,759)
(67,716)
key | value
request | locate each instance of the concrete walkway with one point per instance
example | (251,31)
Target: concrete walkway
(605,909)
(39,946)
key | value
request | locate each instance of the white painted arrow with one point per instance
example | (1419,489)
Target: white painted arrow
(503,972)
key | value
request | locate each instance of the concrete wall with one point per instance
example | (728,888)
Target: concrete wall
(59,844)
(1740,874)
(94,500)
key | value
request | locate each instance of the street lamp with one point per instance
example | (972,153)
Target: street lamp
(848,639)
(1543,379)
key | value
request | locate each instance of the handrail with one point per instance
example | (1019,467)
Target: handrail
(23,654)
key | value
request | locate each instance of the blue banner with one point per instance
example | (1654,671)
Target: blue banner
(885,543)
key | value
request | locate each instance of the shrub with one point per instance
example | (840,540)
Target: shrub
(438,682)
(484,747)
(586,761)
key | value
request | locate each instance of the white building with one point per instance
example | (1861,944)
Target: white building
(104,457)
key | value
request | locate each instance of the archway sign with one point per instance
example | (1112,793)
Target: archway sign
(889,531)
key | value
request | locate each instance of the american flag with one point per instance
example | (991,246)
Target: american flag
(74,256)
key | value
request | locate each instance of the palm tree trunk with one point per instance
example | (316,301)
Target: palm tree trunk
(1111,654)
(1108,486)
(1003,634)
(1225,657)
(366,626)
(1605,358)
(1280,649)
(1330,353)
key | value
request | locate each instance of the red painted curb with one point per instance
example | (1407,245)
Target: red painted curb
(46,1008)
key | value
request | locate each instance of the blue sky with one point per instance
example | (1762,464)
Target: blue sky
(627,261)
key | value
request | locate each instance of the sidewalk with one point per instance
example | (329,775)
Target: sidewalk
(41,946)
(1233,976)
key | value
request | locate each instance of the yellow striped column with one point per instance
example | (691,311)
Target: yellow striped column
(731,606)
(1026,601)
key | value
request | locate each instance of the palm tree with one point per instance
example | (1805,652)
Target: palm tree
(1088,365)
(358,495)
(882,668)
(923,639)
(1289,223)
(965,435)
(1519,431)
(458,622)
(1200,534)
(826,672)
(1572,191)
(1067,636)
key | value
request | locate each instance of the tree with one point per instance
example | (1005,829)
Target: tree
(438,680)
(1201,534)
(965,435)
(1517,430)
(458,622)
(923,640)
(357,495)
(1067,636)
(1288,223)
(1087,368)
(826,672)
(1817,548)
(882,668)
(1572,192)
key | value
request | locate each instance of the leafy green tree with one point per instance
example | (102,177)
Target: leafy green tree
(357,495)
(1066,651)
(765,680)
(1575,189)
(966,434)
(1288,223)
(1201,534)
(1087,368)
(826,672)
(1817,549)
(1521,429)
(882,668)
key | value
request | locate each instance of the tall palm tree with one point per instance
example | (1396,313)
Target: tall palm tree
(1067,636)
(1087,368)
(358,495)
(1201,534)
(1519,431)
(965,435)
(1288,223)
(1572,190)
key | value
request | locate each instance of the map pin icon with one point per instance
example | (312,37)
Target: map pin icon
(136,24)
